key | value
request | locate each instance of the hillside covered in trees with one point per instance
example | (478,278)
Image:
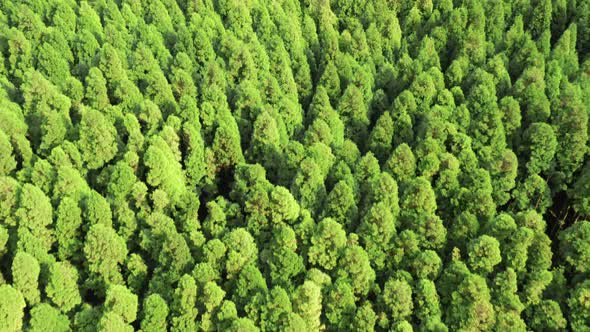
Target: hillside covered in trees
(284,165)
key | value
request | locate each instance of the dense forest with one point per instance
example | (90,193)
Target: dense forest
(284,165)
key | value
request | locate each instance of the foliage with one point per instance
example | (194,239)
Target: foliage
(215,165)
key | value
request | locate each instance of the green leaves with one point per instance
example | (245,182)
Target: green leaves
(12,304)
(294,166)
(97,141)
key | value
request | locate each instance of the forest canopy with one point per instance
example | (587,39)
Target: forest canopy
(313,165)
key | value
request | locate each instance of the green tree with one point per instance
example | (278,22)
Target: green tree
(8,163)
(183,310)
(96,90)
(62,286)
(484,254)
(68,229)
(12,305)
(155,312)
(574,245)
(34,216)
(44,317)
(470,306)
(355,267)
(307,302)
(25,275)
(397,297)
(97,141)
(570,133)
(242,250)
(121,301)
(542,145)
(327,243)
(339,305)
(578,317)
(104,251)
(165,171)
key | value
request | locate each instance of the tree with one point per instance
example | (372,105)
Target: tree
(542,145)
(242,251)
(547,315)
(339,305)
(402,163)
(25,275)
(574,245)
(354,113)
(165,171)
(397,297)
(121,301)
(426,301)
(307,302)
(7,163)
(97,141)
(284,207)
(484,254)
(355,268)
(183,311)
(62,287)
(327,243)
(110,321)
(104,251)
(578,317)
(341,204)
(34,215)
(376,230)
(96,90)
(283,261)
(44,317)
(12,305)
(381,137)
(226,149)
(470,306)
(155,312)
(570,133)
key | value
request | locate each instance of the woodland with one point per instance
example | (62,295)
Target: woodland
(284,165)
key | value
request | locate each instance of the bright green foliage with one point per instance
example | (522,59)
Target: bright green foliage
(577,304)
(164,170)
(484,254)
(327,243)
(97,141)
(548,315)
(339,305)
(25,275)
(34,216)
(62,287)
(397,297)
(155,311)
(241,250)
(104,250)
(367,165)
(575,246)
(12,304)
(356,269)
(470,307)
(111,321)
(542,145)
(7,163)
(121,301)
(44,317)
(183,311)
(307,302)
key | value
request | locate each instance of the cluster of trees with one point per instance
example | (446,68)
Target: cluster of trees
(293,165)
